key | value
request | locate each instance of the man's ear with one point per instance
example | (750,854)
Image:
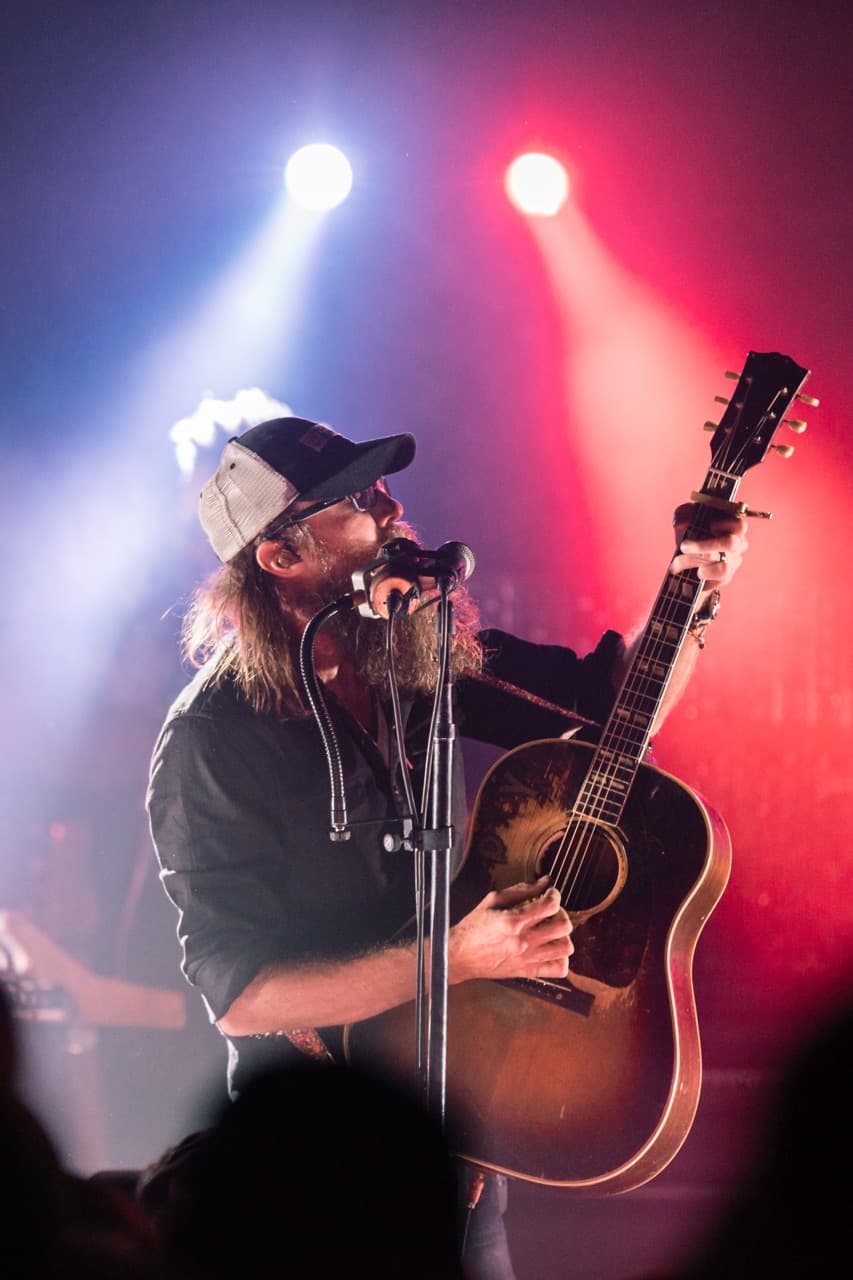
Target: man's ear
(274,557)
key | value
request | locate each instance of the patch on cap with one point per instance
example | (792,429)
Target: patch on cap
(317,437)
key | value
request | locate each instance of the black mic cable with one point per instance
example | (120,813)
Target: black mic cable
(395,606)
(339,822)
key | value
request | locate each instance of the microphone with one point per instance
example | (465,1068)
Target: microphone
(451,559)
(407,569)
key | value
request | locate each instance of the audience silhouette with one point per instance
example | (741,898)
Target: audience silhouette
(310,1172)
(52,1222)
(791,1217)
(314,1172)
(319,1172)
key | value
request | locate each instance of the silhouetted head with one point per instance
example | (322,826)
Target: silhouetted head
(322,1172)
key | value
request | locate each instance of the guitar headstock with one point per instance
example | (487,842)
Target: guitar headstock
(767,386)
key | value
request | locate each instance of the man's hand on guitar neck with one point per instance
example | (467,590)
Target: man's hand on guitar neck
(518,932)
(716,559)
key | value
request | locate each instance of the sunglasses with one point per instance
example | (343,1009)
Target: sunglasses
(362,500)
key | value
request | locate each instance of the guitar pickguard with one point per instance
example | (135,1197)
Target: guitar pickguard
(614,900)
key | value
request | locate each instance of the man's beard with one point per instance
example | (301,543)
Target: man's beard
(415,636)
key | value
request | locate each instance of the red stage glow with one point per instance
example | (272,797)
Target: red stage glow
(638,382)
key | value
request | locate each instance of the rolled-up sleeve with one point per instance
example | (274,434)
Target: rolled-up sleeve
(221,829)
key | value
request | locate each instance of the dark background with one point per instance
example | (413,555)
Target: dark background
(558,412)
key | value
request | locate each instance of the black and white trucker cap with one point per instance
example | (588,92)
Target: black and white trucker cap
(275,463)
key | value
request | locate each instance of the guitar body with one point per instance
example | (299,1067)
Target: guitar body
(589,1083)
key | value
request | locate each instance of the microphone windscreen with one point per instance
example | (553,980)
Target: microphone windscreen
(469,559)
(460,556)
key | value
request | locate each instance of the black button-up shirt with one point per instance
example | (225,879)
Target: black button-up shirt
(239,809)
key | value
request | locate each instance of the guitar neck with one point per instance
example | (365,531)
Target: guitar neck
(626,734)
(766,387)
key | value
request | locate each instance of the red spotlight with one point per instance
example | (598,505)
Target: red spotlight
(537,184)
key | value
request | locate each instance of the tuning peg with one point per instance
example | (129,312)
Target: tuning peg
(784,450)
(809,400)
(796,425)
(710,426)
(722,400)
(735,377)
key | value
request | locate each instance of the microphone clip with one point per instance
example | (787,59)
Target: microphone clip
(395,569)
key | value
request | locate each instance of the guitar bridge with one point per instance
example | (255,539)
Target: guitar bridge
(560,993)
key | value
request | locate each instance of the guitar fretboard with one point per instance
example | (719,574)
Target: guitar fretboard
(765,389)
(627,732)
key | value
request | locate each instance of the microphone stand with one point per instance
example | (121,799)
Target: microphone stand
(437,843)
(433,842)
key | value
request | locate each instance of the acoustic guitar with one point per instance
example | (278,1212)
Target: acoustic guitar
(592,1083)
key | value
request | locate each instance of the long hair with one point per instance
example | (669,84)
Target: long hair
(243,621)
(238,620)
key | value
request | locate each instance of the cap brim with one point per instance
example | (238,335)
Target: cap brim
(371,460)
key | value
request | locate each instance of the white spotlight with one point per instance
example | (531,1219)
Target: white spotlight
(318,177)
(537,184)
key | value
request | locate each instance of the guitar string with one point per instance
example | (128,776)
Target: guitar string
(597,777)
(636,690)
(572,860)
(598,789)
(574,865)
(580,836)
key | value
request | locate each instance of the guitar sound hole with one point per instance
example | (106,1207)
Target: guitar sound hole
(587,864)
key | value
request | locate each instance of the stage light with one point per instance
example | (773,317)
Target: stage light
(318,177)
(537,184)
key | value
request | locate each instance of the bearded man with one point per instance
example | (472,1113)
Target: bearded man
(287,934)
